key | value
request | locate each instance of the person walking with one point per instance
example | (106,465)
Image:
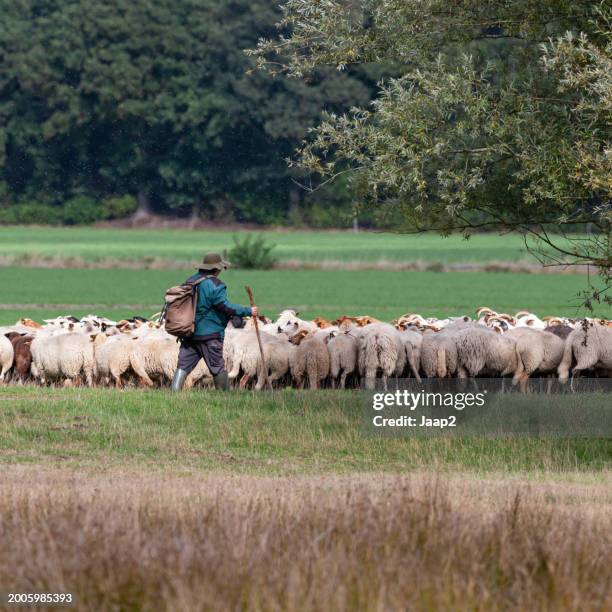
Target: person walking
(212,313)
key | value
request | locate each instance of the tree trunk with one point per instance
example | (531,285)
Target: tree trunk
(194,217)
(355,224)
(295,201)
(144,206)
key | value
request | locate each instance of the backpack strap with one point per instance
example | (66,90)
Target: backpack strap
(196,282)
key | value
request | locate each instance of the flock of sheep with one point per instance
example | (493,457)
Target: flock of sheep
(349,351)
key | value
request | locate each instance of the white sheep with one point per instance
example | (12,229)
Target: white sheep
(241,353)
(438,351)
(7,354)
(112,357)
(309,360)
(278,354)
(380,350)
(68,356)
(154,356)
(479,348)
(343,352)
(590,346)
(412,342)
(438,355)
(289,323)
(537,351)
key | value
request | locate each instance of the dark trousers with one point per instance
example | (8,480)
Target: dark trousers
(193,349)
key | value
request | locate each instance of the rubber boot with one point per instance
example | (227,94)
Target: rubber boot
(221,381)
(178,380)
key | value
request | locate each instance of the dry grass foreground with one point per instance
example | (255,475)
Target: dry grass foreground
(120,540)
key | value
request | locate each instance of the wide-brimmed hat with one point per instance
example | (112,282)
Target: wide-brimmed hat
(213,261)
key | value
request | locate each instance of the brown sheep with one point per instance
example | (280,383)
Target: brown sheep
(23,355)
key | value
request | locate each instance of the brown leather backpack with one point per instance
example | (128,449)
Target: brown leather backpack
(179,308)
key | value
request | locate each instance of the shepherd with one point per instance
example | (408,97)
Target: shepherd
(212,313)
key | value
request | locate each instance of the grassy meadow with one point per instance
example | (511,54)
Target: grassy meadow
(96,244)
(279,433)
(147,500)
(211,501)
(40,292)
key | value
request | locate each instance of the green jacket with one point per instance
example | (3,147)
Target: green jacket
(213,311)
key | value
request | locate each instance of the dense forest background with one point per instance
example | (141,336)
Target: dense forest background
(132,106)
(126,108)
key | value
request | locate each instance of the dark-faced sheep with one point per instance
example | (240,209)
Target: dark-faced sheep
(560,330)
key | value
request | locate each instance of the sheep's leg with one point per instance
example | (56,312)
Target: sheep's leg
(145,382)
(575,373)
(522,381)
(244,381)
(343,379)
(370,378)
(263,377)
(143,378)
(234,370)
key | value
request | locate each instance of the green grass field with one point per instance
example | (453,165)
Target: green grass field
(39,293)
(93,244)
(286,432)
(134,499)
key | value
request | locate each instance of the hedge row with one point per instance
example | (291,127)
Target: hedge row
(80,210)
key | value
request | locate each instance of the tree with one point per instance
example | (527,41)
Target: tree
(152,98)
(501,116)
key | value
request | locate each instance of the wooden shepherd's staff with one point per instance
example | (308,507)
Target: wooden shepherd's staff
(263,360)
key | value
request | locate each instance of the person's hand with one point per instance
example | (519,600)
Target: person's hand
(254,311)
